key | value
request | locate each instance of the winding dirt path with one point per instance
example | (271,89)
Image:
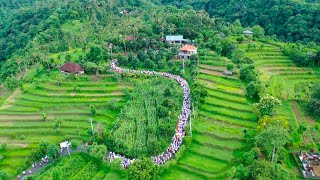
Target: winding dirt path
(10,100)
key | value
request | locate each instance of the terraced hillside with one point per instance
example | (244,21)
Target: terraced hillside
(277,68)
(218,129)
(67,100)
(283,77)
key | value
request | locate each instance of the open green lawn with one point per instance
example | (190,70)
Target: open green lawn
(218,129)
(68,101)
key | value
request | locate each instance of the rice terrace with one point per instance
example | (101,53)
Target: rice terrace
(157,89)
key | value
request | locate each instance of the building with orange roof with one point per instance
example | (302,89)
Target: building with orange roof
(187,51)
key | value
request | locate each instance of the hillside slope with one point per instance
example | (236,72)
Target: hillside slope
(218,136)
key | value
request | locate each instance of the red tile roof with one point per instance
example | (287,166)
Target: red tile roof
(129,38)
(188,48)
(71,67)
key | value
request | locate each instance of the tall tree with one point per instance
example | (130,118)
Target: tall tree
(144,169)
(272,139)
(268,105)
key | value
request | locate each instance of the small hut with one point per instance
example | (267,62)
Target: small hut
(72,68)
(248,33)
(228,72)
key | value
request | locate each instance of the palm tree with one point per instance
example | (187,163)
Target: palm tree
(172,28)
(163,27)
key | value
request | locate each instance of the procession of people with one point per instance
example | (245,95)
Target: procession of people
(35,167)
(182,122)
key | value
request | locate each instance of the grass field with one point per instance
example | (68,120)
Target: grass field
(218,129)
(70,101)
(279,70)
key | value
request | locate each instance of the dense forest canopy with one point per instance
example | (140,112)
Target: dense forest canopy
(293,21)
(28,37)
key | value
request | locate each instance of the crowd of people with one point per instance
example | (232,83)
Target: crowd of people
(125,162)
(35,167)
(183,117)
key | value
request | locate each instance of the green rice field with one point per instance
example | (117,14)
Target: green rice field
(279,70)
(218,128)
(68,100)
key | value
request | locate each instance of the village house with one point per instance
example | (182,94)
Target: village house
(187,51)
(248,33)
(72,68)
(175,40)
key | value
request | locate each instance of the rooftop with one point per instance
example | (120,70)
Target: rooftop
(174,38)
(247,32)
(129,38)
(71,67)
(188,48)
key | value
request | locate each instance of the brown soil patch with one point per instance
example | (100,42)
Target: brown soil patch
(296,111)
(10,143)
(299,116)
(216,73)
(71,94)
(117,93)
(3,92)
(306,140)
(96,78)
(19,144)
(310,120)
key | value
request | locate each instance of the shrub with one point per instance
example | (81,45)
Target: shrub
(303,128)
(3,146)
(25,87)
(22,137)
(149,64)
(230,66)
(44,116)
(253,89)
(4,175)
(11,83)
(144,169)
(74,145)
(93,110)
(268,105)
(248,73)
